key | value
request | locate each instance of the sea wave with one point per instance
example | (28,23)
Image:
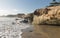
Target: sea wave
(9,27)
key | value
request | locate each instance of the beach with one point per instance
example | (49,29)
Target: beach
(43,31)
(9,28)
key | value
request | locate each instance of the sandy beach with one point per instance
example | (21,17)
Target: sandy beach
(43,31)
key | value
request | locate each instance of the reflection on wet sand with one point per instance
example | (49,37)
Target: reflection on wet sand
(43,31)
(50,31)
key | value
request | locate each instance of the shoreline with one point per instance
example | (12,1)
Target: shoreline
(43,31)
(27,30)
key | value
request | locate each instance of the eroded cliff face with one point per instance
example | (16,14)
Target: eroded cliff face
(49,15)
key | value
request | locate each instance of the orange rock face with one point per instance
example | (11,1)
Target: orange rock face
(49,15)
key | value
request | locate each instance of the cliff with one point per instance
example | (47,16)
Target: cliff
(49,15)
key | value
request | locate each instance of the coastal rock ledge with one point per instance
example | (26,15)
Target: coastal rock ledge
(49,15)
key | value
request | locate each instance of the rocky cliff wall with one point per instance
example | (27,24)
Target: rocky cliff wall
(49,15)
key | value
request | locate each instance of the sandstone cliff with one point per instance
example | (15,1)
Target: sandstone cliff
(49,15)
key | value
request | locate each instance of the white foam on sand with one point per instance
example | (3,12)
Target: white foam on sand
(9,30)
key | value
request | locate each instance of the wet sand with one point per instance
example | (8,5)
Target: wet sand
(32,35)
(43,31)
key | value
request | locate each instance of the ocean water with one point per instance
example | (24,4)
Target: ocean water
(10,28)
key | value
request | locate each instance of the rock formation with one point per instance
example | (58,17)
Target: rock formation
(49,15)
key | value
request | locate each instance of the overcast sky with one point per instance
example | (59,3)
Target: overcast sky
(21,6)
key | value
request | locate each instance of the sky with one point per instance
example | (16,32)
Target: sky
(21,6)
